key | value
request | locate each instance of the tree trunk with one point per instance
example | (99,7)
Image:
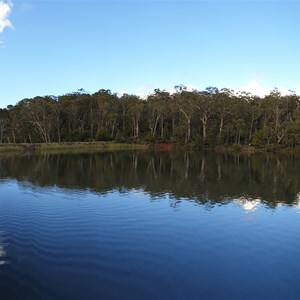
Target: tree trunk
(204,131)
(161,127)
(251,130)
(189,126)
(221,128)
(204,123)
(13,135)
(137,129)
(58,135)
(189,131)
(155,126)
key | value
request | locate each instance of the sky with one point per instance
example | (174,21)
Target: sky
(56,47)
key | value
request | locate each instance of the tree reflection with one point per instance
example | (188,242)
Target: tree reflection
(206,178)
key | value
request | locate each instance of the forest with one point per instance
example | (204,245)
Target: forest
(207,118)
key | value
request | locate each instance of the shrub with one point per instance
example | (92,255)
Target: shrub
(102,134)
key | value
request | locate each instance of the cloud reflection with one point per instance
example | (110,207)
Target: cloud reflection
(2,255)
(297,200)
(248,204)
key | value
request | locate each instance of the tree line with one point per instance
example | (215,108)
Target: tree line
(206,118)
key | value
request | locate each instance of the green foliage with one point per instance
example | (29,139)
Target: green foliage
(258,139)
(102,134)
(198,142)
(119,138)
(203,119)
(180,134)
(166,135)
(236,147)
(149,138)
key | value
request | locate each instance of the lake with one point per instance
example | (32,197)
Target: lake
(150,225)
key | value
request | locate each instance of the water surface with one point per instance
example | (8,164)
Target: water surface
(141,225)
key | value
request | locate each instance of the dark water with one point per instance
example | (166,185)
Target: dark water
(139,225)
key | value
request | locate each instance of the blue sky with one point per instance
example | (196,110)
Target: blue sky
(56,47)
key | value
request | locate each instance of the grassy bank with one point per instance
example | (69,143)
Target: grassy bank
(11,148)
(80,147)
(250,149)
(87,147)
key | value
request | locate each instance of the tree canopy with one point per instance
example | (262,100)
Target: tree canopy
(211,117)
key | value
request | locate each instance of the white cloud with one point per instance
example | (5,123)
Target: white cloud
(255,88)
(5,10)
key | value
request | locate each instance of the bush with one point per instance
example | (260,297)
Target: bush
(180,133)
(102,134)
(236,147)
(77,136)
(198,141)
(119,137)
(258,139)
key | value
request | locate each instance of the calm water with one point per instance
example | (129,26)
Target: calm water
(139,225)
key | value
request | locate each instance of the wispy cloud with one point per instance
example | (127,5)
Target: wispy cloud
(5,10)
(26,7)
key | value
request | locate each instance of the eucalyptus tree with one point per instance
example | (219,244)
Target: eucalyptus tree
(83,115)
(205,106)
(68,115)
(164,101)
(106,110)
(4,123)
(21,127)
(223,108)
(135,109)
(13,116)
(186,101)
(159,112)
(74,115)
(292,120)
(41,115)
(124,102)
(275,114)
(252,111)
(239,130)
(153,113)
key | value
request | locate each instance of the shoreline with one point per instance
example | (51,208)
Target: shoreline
(68,147)
(88,147)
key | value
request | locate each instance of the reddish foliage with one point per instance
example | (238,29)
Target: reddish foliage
(165,147)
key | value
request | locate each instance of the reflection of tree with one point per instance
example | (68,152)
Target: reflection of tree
(204,177)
